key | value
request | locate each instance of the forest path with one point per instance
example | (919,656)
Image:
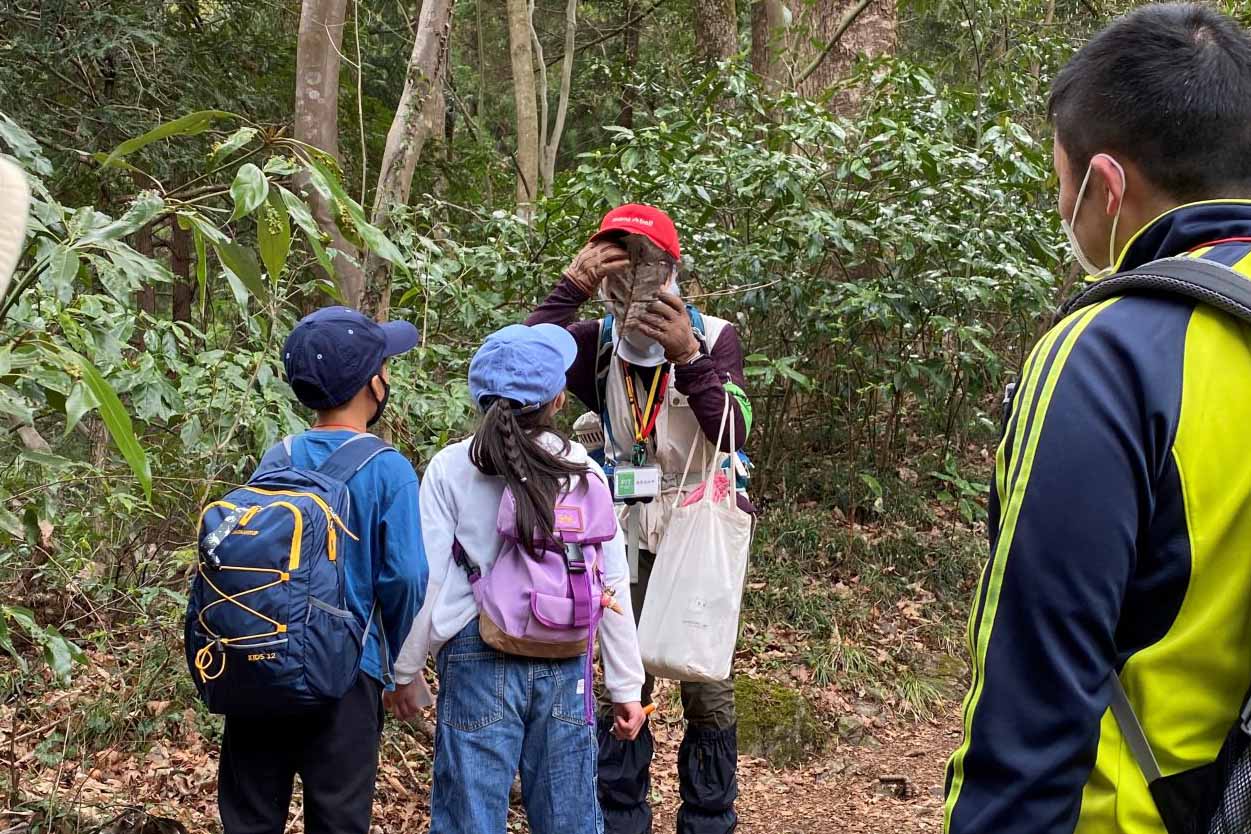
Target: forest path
(840,792)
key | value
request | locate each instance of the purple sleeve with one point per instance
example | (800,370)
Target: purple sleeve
(561,307)
(703,382)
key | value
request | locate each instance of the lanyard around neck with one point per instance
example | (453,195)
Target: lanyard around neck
(645,417)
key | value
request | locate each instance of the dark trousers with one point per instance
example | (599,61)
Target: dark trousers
(707,758)
(334,750)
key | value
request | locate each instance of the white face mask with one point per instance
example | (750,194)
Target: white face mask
(1087,265)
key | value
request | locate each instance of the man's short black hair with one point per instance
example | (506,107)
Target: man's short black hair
(1169,87)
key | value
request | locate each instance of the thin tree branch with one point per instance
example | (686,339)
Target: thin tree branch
(360,97)
(562,108)
(612,33)
(843,25)
(543,114)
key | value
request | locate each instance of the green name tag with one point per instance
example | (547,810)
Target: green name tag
(636,483)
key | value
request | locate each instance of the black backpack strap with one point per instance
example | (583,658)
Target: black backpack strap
(352,456)
(1201,280)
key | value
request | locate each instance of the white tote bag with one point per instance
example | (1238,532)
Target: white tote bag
(689,625)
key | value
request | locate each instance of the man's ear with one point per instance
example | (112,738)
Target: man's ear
(1112,180)
(378,386)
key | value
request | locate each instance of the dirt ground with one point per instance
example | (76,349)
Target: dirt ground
(841,792)
(890,781)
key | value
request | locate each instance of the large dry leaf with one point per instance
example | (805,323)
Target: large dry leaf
(632,292)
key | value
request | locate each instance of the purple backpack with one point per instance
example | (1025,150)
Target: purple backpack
(548,607)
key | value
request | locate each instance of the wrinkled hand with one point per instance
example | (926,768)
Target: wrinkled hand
(667,321)
(402,703)
(629,719)
(598,260)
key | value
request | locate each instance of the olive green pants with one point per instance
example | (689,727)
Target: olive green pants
(706,705)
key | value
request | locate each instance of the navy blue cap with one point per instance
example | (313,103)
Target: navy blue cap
(524,364)
(333,353)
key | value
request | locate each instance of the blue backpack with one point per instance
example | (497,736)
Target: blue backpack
(268,630)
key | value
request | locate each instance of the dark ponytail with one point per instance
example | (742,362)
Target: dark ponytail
(507,446)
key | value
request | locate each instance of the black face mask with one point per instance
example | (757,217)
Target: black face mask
(382,403)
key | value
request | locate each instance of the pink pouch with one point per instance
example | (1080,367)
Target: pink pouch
(720,486)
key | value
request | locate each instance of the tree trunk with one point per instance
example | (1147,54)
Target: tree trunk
(630,43)
(145,246)
(479,107)
(716,29)
(819,55)
(180,263)
(552,147)
(418,116)
(770,20)
(317,122)
(527,110)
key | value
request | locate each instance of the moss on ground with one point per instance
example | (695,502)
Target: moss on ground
(777,723)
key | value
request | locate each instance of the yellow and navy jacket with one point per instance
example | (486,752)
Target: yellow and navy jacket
(1120,520)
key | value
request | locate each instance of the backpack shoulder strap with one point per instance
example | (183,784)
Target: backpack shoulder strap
(1195,278)
(603,362)
(603,349)
(352,456)
(278,456)
(1131,730)
(697,325)
(697,320)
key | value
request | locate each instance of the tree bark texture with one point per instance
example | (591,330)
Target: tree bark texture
(549,131)
(770,20)
(146,300)
(418,117)
(716,29)
(180,263)
(522,55)
(796,44)
(317,62)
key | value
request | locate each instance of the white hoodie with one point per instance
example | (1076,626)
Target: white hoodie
(459,502)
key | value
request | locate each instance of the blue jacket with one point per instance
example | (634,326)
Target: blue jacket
(388,564)
(1120,544)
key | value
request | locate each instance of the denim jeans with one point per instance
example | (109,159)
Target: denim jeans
(498,714)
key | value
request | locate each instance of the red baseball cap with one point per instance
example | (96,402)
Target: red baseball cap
(638,219)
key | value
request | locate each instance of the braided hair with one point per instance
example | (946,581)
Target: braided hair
(507,446)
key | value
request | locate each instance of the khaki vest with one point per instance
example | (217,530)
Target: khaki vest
(676,431)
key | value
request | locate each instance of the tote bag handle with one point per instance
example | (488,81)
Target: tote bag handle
(710,479)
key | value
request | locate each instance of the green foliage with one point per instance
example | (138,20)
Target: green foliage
(878,265)
(80,357)
(966,495)
(58,653)
(885,265)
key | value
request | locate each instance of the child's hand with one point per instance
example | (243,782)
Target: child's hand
(630,718)
(403,703)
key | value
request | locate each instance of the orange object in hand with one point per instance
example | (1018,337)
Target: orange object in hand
(609,600)
(649,709)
